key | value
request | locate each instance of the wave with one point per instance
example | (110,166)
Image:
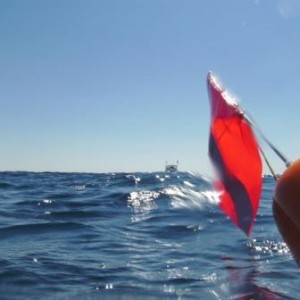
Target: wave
(155,235)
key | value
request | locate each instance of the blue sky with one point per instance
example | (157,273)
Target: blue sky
(120,85)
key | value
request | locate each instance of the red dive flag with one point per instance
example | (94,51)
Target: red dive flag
(235,154)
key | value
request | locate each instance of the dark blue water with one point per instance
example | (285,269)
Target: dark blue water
(133,236)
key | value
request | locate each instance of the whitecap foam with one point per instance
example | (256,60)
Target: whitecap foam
(142,196)
(135,178)
(213,197)
(141,203)
(80,187)
(188,183)
(188,198)
(45,202)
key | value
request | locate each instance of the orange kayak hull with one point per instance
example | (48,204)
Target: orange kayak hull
(286,208)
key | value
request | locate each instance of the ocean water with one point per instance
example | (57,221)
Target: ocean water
(133,236)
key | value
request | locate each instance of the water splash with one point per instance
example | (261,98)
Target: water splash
(141,203)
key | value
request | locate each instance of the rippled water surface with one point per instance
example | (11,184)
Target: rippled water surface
(132,236)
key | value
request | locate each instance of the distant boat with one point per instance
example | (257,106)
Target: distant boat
(171,168)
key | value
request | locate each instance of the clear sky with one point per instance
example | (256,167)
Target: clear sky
(120,85)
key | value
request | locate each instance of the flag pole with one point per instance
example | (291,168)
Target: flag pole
(285,160)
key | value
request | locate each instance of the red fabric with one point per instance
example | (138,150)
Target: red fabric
(239,155)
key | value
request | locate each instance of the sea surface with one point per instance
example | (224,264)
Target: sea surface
(135,236)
